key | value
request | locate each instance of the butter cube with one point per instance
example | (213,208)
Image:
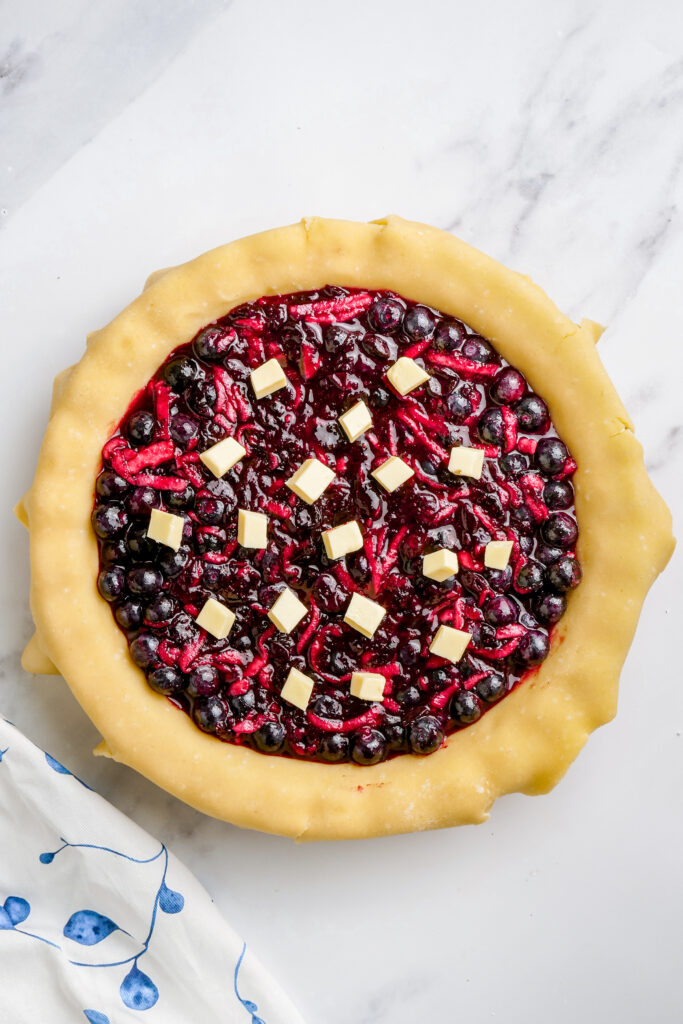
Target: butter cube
(165,528)
(252,529)
(368,685)
(406,375)
(216,619)
(356,421)
(288,611)
(297,689)
(466,461)
(440,565)
(342,540)
(450,643)
(497,554)
(267,377)
(392,473)
(310,480)
(364,615)
(222,456)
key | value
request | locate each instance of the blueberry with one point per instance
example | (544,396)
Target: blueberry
(166,679)
(409,652)
(243,703)
(548,554)
(368,747)
(129,614)
(379,347)
(379,398)
(532,414)
(270,738)
(394,733)
(210,713)
(180,499)
(465,707)
(564,574)
(500,579)
(161,609)
(513,463)
(459,406)
(425,735)
(110,484)
(144,579)
(529,578)
(478,349)
(419,323)
(209,541)
(203,681)
(109,520)
(115,550)
(179,373)
(202,397)
(140,547)
(142,500)
(140,427)
(173,562)
(551,455)
(501,611)
(329,593)
(560,530)
(532,648)
(550,608)
(143,650)
(209,509)
(335,337)
(111,582)
(449,336)
(385,314)
(491,688)
(183,428)
(491,427)
(334,746)
(508,386)
(558,494)
(211,343)
(327,707)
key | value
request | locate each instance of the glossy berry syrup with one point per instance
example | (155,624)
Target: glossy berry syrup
(336,346)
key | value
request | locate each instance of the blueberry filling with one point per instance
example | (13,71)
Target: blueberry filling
(335,346)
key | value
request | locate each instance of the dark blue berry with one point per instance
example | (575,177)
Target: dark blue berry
(142,500)
(109,520)
(409,696)
(129,614)
(560,530)
(465,707)
(161,609)
(532,414)
(491,427)
(110,484)
(564,574)
(419,323)
(209,509)
(330,595)
(327,707)
(379,347)
(513,463)
(166,679)
(425,735)
(203,681)
(140,427)
(173,562)
(368,747)
(180,499)
(508,386)
(335,337)
(211,344)
(333,747)
(243,704)
(202,397)
(144,650)
(379,398)
(529,578)
(111,583)
(478,349)
(550,608)
(501,611)
(183,428)
(532,648)
(558,494)
(491,688)
(551,455)
(270,738)
(449,336)
(385,314)
(210,713)
(459,406)
(144,579)
(180,373)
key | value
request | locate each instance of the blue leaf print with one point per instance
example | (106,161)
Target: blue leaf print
(17,909)
(5,920)
(46,858)
(3,752)
(55,765)
(88,927)
(170,901)
(138,992)
(95,1017)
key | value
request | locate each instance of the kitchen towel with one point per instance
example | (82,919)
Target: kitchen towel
(100,923)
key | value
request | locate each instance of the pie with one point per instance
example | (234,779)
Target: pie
(341,530)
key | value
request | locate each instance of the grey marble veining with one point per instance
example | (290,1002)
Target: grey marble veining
(134,136)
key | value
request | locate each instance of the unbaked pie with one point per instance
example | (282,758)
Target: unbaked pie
(327,526)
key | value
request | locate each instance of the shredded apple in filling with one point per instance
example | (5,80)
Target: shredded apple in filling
(334,349)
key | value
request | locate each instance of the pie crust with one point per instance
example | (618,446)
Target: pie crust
(526,742)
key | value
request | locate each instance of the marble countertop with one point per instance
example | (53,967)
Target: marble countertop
(134,136)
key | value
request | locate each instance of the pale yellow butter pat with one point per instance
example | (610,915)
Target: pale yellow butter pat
(252,529)
(392,473)
(216,619)
(342,540)
(165,528)
(310,480)
(450,643)
(368,685)
(440,565)
(406,375)
(297,689)
(267,377)
(356,421)
(364,615)
(497,554)
(288,611)
(466,462)
(223,456)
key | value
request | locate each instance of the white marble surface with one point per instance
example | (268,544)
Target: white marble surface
(134,136)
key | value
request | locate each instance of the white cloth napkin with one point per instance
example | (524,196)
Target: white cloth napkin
(100,923)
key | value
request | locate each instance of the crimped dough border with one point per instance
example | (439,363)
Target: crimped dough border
(523,744)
